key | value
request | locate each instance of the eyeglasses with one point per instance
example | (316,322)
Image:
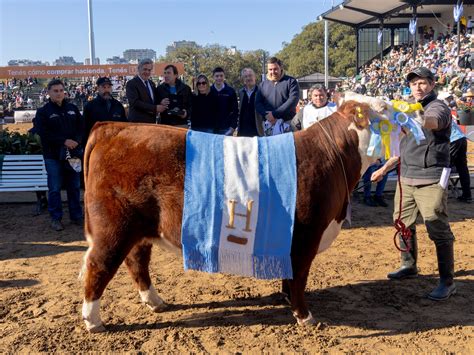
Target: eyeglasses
(199,83)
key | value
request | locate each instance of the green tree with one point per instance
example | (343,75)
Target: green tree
(304,55)
(205,59)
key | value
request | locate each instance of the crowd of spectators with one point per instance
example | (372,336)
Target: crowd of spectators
(16,94)
(23,94)
(386,78)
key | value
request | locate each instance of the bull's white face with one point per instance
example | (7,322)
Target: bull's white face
(379,109)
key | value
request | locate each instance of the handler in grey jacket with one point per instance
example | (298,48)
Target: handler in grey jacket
(424,177)
(278,96)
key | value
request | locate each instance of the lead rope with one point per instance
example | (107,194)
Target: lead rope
(340,159)
(400,227)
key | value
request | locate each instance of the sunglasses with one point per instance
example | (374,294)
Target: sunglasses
(201,83)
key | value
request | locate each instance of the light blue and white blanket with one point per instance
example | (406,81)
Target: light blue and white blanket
(239,204)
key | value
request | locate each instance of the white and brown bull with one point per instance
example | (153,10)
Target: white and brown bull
(134,176)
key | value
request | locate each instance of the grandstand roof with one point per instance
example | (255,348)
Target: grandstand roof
(317,78)
(359,13)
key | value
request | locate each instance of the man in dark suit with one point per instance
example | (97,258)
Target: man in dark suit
(141,95)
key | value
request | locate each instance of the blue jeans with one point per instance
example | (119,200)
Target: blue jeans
(368,186)
(59,171)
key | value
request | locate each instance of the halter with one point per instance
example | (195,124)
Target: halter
(338,155)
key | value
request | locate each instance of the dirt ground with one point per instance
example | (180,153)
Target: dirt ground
(356,307)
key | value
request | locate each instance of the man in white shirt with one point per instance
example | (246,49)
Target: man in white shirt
(318,109)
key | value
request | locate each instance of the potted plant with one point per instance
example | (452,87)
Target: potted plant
(465,114)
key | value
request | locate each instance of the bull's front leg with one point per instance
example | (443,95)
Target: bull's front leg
(137,262)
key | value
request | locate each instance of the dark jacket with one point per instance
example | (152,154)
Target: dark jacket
(280,98)
(141,107)
(227,107)
(96,111)
(250,123)
(204,111)
(428,159)
(180,100)
(55,124)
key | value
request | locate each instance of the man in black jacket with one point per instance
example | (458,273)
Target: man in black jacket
(178,95)
(103,108)
(227,106)
(140,93)
(60,126)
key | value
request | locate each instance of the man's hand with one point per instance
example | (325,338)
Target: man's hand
(70,144)
(184,114)
(269,117)
(161,108)
(426,122)
(165,102)
(377,175)
(380,173)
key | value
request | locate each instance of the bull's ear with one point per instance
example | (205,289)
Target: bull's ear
(361,116)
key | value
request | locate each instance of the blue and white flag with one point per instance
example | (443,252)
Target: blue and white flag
(412,26)
(239,204)
(457,12)
(379,37)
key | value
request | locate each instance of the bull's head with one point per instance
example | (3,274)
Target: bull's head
(362,110)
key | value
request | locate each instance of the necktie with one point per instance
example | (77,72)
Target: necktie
(150,92)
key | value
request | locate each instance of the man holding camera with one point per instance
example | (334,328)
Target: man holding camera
(178,95)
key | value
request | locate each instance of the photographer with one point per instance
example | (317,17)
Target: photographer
(179,99)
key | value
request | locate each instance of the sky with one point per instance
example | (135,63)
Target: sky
(47,29)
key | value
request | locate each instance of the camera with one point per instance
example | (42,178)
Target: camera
(176,111)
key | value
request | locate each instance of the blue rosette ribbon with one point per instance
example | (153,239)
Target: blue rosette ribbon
(404,120)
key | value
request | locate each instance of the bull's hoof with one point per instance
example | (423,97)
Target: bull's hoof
(309,320)
(157,308)
(95,328)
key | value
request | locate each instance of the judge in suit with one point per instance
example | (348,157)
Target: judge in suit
(141,95)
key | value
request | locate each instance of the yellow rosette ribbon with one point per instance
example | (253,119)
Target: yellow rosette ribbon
(385,127)
(405,107)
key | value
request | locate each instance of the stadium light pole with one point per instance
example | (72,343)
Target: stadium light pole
(91,33)
(326,60)
(414,34)
(459,29)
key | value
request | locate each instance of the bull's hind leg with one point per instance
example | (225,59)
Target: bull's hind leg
(298,303)
(302,256)
(138,261)
(101,262)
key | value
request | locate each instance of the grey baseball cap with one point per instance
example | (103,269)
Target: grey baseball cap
(420,72)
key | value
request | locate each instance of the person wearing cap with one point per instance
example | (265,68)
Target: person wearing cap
(424,176)
(103,107)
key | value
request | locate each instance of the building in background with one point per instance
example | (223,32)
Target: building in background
(87,61)
(135,55)
(25,62)
(116,60)
(180,44)
(66,61)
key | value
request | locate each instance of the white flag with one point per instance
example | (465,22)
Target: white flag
(457,12)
